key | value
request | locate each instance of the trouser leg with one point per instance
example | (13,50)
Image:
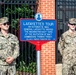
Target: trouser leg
(12,70)
(7,70)
(74,67)
(66,69)
(3,70)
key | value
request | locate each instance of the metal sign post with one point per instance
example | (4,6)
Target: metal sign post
(38,47)
(38,63)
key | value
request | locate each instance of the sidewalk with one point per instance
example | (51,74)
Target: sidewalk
(58,69)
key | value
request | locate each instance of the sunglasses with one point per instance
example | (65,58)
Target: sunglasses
(72,24)
(6,23)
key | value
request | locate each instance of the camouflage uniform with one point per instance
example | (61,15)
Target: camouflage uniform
(67,48)
(9,46)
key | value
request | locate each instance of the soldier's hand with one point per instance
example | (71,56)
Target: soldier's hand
(9,60)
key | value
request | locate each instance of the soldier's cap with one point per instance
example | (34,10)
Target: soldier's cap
(72,21)
(3,20)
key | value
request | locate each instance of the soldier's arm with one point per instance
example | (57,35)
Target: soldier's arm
(16,49)
(2,55)
(2,52)
(61,44)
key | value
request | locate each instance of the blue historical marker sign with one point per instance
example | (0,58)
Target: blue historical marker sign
(31,29)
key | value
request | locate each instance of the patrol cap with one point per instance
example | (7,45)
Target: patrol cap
(3,20)
(72,21)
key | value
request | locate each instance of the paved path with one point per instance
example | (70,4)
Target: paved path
(58,69)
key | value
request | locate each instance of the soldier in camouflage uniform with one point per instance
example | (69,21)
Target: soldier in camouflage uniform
(9,49)
(67,48)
